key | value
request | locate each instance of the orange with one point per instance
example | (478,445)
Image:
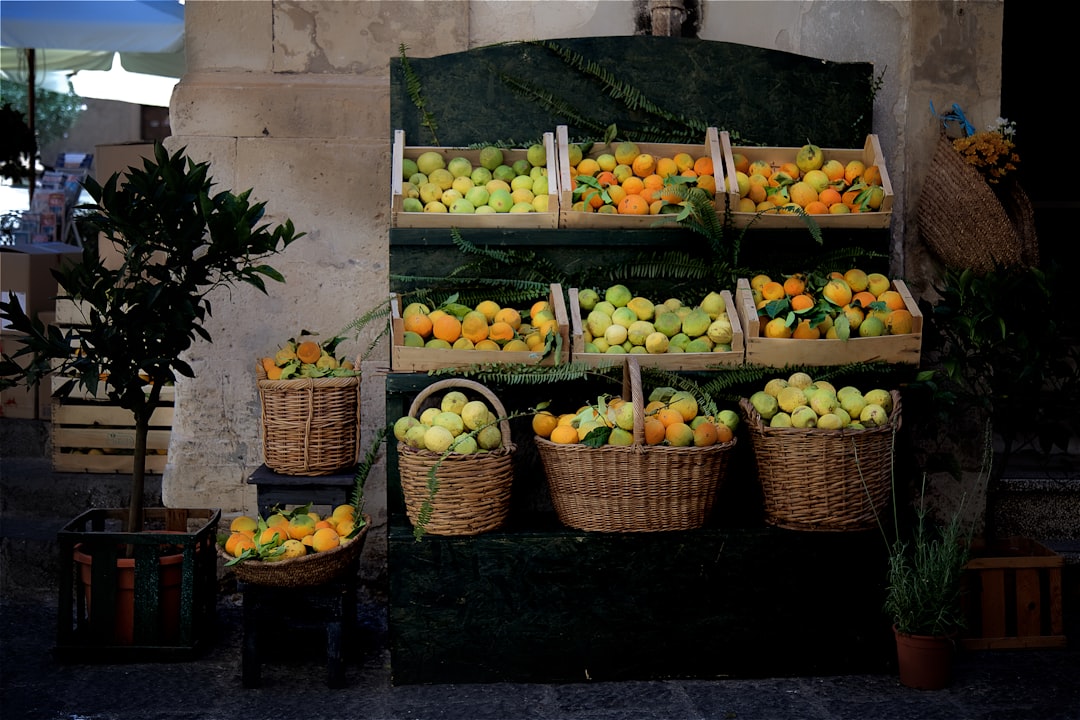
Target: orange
(900,322)
(705,435)
(268,363)
(634,205)
(644,165)
(802,301)
(892,299)
(593,198)
(817,208)
(757,192)
(872,175)
(616,193)
(652,181)
(325,539)
(655,206)
(794,285)
(666,166)
(803,331)
(655,432)
(669,194)
(791,169)
(543,423)
(633,185)
(606,179)
(863,298)
(308,351)
(564,435)
(654,407)
(419,324)
(683,162)
(588,166)
(238,542)
(772,290)
(447,328)
(488,308)
(679,435)
(829,196)
(703,166)
(274,535)
(301,526)
(758,281)
(510,316)
(777,328)
(837,291)
(274,373)
(626,152)
(760,167)
(474,326)
(707,183)
(724,434)
(742,163)
(853,171)
(243,524)
(668,416)
(538,307)
(501,331)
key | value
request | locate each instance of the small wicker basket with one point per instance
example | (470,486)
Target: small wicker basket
(305,571)
(823,480)
(473,493)
(633,488)
(310,426)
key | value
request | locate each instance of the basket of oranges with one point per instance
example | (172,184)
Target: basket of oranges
(659,469)
(310,409)
(293,553)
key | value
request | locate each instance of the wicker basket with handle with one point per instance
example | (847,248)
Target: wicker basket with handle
(310,426)
(633,488)
(823,480)
(473,494)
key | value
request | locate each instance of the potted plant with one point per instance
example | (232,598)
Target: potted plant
(178,243)
(924,596)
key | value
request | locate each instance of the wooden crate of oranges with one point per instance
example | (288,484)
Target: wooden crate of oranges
(424,339)
(847,317)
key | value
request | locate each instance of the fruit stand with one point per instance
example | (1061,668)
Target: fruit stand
(536,600)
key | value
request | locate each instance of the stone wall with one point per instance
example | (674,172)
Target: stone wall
(292,99)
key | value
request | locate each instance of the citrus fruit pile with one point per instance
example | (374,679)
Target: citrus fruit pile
(488,326)
(809,181)
(839,306)
(307,358)
(800,401)
(621,322)
(289,534)
(457,425)
(430,183)
(672,417)
(626,181)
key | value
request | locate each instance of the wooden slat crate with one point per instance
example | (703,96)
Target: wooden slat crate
(399,218)
(665,361)
(779,352)
(422,359)
(710,146)
(1014,596)
(869,154)
(92,434)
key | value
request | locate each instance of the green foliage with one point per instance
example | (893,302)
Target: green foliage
(56,112)
(415,90)
(356,495)
(179,243)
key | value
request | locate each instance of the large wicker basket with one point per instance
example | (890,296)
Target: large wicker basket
(633,488)
(310,426)
(823,480)
(473,494)
(304,571)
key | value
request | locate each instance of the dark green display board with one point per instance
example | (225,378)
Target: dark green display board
(655,89)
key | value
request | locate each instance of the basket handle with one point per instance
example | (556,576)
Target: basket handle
(632,385)
(458,383)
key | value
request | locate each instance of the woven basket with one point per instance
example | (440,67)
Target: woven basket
(310,426)
(473,494)
(633,488)
(966,224)
(304,571)
(827,480)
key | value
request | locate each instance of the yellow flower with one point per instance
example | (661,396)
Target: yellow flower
(993,154)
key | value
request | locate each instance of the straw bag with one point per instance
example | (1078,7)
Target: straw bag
(830,480)
(473,493)
(969,225)
(304,571)
(310,426)
(633,488)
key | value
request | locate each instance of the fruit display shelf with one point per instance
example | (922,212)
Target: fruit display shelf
(710,147)
(672,361)
(783,352)
(869,154)
(405,358)
(400,218)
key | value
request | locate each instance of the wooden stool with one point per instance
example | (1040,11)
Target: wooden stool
(275,489)
(332,604)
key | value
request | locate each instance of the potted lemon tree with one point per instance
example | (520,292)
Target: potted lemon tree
(179,242)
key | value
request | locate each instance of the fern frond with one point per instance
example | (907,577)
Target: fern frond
(356,495)
(553,105)
(414,89)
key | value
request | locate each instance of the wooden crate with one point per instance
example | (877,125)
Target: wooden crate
(1014,596)
(401,219)
(422,359)
(568,218)
(779,352)
(92,434)
(665,361)
(870,154)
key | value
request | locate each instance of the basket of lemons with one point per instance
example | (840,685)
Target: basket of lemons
(296,548)
(310,408)
(636,464)
(455,459)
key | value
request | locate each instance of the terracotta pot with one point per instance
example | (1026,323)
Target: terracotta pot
(925,661)
(171,575)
